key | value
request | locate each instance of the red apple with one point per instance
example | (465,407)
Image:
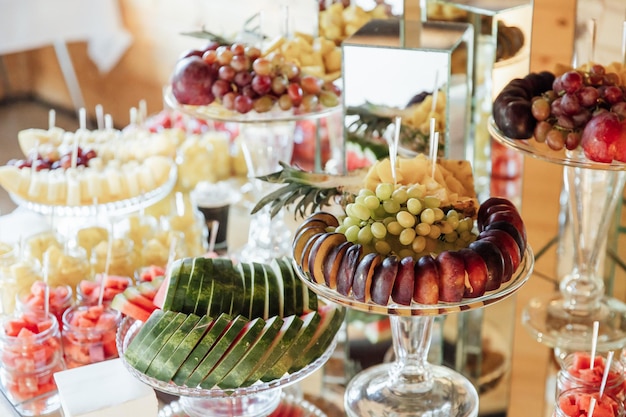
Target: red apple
(192,80)
(600,137)
(620,144)
(451,276)
(403,287)
(426,290)
(477,274)
(383,280)
(492,256)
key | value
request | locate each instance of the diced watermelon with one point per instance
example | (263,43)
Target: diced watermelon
(89,335)
(126,307)
(151,273)
(159,298)
(89,291)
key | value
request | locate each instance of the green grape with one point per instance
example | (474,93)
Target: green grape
(366,192)
(352,233)
(439,214)
(341,229)
(462,227)
(365,235)
(431,245)
(395,228)
(452,213)
(466,236)
(391,206)
(388,220)
(360,211)
(419,244)
(406,252)
(350,221)
(371,202)
(435,231)
(453,221)
(446,227)
(405,219)
(414,205)
(416,191)
(400,195)
(378,230)
(382,247)
(360,199)
(428,216)
(384,191)
(406,236)
(432,202)
(451,237)
(379,212)
(422,229)
(349,211)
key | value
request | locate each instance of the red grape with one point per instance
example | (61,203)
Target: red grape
(619,109)
(210,56)
(240,63)
(588,96)
(261,84)
(540,109)
(570,104)
(226,73)
(572,140)
(541,131)
(290,70)
(555,139)
(279,85)
(238,48)
(253,52)
(612,94)
(243,104)
(572,81)
(284,102)
(310,84)
(243,78)
(262,66)
(228,101)
(263,104)
(295,93)
(309,102)
(220,88)
(224,55)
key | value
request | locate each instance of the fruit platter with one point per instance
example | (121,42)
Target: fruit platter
(409,240)
(239,83)
(226,337)
(574,117)
(86,172)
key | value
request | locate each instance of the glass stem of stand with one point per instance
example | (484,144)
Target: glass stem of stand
(593,195)
(411,340)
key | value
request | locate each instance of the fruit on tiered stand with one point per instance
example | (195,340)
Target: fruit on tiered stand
(573,109)
(83,167)
(412,242)
(228,326)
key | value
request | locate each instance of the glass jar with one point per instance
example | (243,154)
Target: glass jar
(123,261)
(31,351)
(17,278)
(576,372)
(88,291)
(68,266)
(59,300)
(89,334)
(575,402)
(8,285)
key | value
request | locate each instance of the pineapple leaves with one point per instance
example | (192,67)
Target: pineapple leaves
(308,191)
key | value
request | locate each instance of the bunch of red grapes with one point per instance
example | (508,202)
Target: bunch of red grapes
(576,98)
(241,79)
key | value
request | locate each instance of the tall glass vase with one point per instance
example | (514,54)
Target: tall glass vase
(264,145)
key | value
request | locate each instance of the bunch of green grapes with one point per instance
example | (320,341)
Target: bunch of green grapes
(404,221)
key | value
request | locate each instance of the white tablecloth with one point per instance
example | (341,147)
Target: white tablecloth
(30,24)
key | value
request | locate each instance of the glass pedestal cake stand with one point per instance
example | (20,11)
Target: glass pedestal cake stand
(257,400)
(565,319)
(410,386)
(266,140)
